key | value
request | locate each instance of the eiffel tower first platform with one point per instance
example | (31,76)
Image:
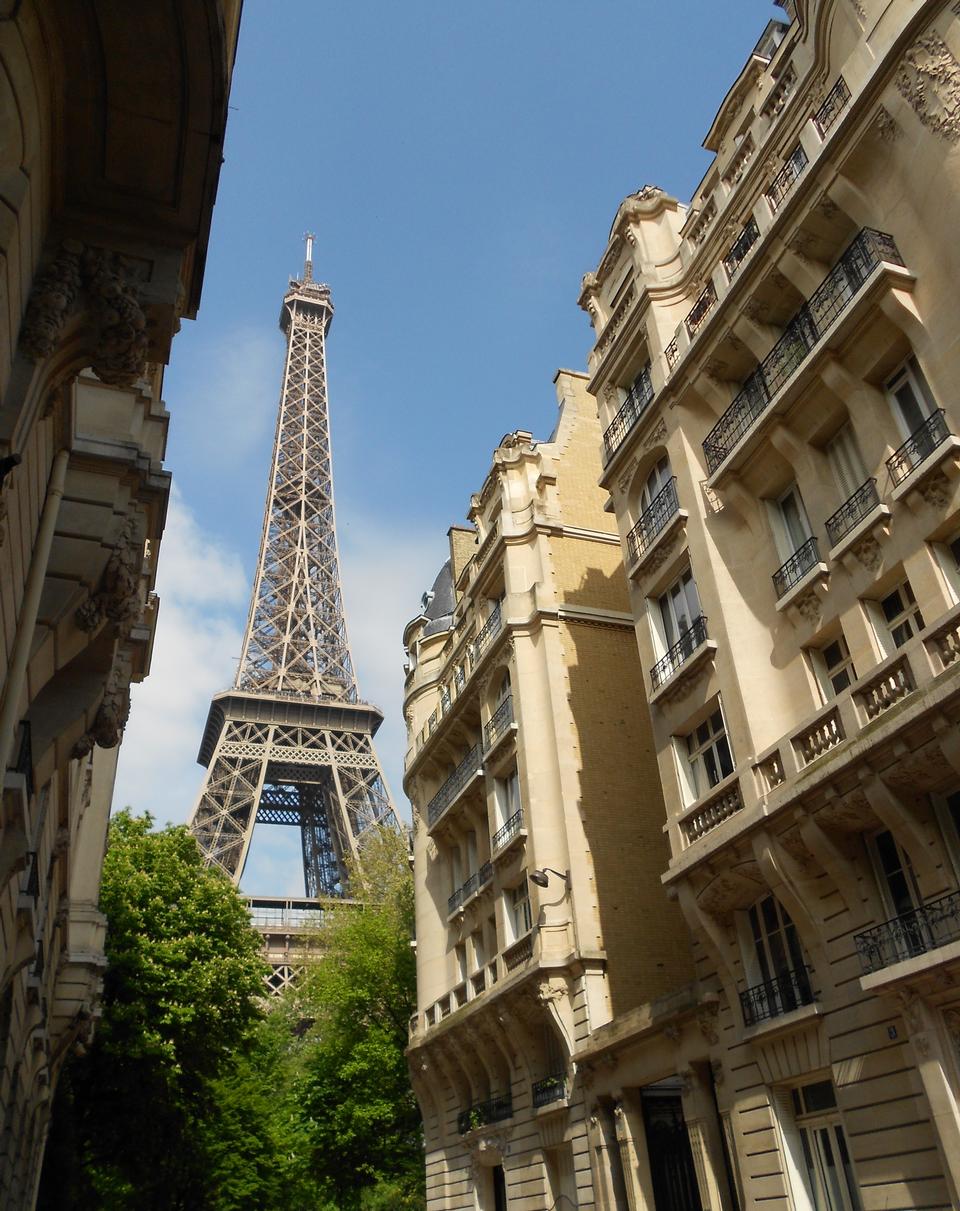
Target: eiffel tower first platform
(291,743)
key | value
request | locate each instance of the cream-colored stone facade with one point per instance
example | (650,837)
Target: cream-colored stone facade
(112,125)
(528,754)
(777,368)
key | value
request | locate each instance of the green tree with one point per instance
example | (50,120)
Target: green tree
(180,1005)
(365,1133)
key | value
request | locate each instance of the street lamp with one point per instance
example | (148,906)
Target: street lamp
(542,876)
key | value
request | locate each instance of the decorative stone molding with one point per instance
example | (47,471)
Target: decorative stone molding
(119,352)
(884,127)
(929,79)
(868,553)
(110,719)
(118,597)
(656,435)
(707,1021)
(809,606)
(935,490)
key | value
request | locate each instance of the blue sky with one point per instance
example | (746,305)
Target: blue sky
(460,165)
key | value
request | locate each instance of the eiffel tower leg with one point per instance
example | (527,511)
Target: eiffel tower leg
(226,809)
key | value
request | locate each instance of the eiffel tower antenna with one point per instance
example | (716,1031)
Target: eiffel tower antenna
(291,743)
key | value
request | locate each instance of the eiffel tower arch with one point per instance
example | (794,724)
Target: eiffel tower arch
(292,743)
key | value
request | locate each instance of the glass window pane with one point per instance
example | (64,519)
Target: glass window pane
(725,757)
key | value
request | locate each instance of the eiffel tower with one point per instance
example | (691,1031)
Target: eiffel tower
(292,743)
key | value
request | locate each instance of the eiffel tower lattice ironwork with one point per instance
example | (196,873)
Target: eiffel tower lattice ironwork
(291,742)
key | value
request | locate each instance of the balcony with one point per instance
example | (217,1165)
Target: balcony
(787,177)
(469,768)
(481,1114)
(705,816)
(802,561)
(911,934)
(919,445)
(868,250)
(672,354)
(741,246)
(834,103)
(549,1089)
(503,836)
(488,632)
(653,520)
(484,874)
(700,310)
(788,990)
(692,638)
(519,953)
(638,400)
(499,725)
(860,505)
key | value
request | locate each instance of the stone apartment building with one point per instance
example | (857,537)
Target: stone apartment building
(112,120)
(538,836)
(776,366)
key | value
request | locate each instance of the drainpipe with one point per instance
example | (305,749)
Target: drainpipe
(26,623)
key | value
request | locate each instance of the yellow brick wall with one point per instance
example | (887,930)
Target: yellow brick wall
(621,805)
(578,446)
(589,573)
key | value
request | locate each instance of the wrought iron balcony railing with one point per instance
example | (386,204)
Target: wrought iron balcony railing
(672,353)
(701,309)
(654,519)
(788,990)
(787,177)
(552,1088)
(741,246)
(638,400)
(500,722)
(509,830)
(919,445)
(834,103)
(853,511)
(797,566)
(480,1114)
(485,874)
(912,933)
(470,765)
(682,650)
(454,901)
(863,255)
(487,632)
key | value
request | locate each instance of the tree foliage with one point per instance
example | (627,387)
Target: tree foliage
(192,1097)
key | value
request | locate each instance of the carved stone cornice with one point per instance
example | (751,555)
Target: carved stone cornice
(929,80)
(118,598)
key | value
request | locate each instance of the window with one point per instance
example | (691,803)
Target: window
(709,759)
(909,396)
(790,522)
(676,611)
(657,480)
(843,454)
(948,556)
(947,809)
(825,1165)
(507,794)
(775,963)
(899,892)
(901,614)
(521,920)
(834,666)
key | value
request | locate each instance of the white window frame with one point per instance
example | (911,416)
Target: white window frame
(846,462)
(696,786)
(825,673)
(506,795)
(947,552)
(910,616)
(519,911)
(660,475)
(909,374)
(783,538)
(683,589)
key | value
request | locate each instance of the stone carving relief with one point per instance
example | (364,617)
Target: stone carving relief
(885,128)
(707,1021)
(929,79)
(935,490)
(119,352)
(110,719)
(656,435)
(868,553)
(809,606)
(117,598)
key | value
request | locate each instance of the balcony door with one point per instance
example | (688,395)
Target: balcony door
(846,462)
(792,526)
(908,934)
(778,963)
(909,394)
(677,610)
(657,480)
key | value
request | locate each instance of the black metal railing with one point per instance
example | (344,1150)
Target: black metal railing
(509,830)
(454,901)
(787,990)
(862,256)
(797,566)
(485,874)
(834,103)
(786,178)
(919,445)
(912,933)
(740,247)
(701,309)
(639,399)
(654,519)
(682,650)
(672,353)
(23,762)
(31,882)
(487,632)
(470,885)
(500,723)
(552,1088)
(480,1114)
(852,511)
(471,764)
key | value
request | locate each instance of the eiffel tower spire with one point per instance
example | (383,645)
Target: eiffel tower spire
(291,743)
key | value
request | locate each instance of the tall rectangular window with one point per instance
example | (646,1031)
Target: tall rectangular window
(708,756)
(846,463)
(901,614)
(827,1170)
(521,919)
(677,610)
(834,666)
(910,397)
